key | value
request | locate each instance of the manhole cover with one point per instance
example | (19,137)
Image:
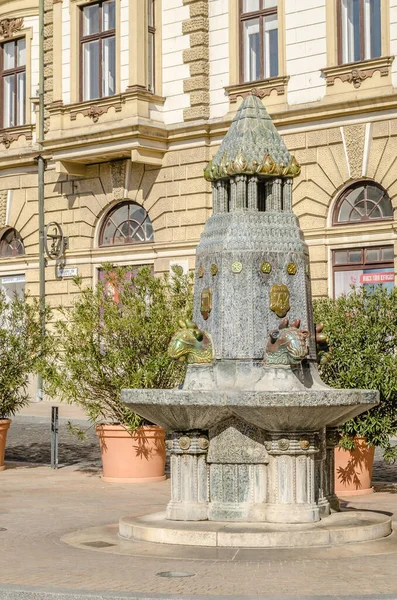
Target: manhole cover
(175,574)
(98,544)
(3,529)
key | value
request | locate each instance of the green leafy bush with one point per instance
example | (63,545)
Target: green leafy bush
(22,350)
(362,332)
(116,336)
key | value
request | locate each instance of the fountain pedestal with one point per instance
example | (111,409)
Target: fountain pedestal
(252,430)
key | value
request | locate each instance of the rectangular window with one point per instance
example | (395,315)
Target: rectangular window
(259,39)
(98,50)
(362,267)
(151,41)
(359,30)
(13,83)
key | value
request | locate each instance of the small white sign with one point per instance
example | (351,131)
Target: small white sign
(67,272)
(13,279)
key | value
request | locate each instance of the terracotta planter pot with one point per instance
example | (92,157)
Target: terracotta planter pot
(353,470)
(132,458)
(4,427)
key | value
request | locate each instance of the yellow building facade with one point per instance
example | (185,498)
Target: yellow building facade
(139,94)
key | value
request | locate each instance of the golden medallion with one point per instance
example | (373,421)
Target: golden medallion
(266,267)
(237,267)
(206,303)
(184,442)
(307,269)
(279,299)
(291,268)
(214,269)
(304,443)
(201,271)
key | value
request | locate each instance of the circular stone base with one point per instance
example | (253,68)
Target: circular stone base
(340,528)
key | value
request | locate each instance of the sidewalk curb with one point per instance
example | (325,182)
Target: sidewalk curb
(13,592)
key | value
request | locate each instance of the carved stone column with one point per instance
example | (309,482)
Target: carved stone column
(287,195)
(294,478)
(253,193)
(329,469)
(189,477)
(241,200)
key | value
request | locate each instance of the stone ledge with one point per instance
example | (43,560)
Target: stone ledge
(358,72)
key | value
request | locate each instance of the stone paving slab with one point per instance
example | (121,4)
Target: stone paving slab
(39,506)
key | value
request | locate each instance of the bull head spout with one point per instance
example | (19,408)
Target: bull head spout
(191,344)
(287,344)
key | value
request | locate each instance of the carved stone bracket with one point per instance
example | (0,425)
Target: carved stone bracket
(9,26)
(94,111)
(356,73)
(7,138)
(258,88)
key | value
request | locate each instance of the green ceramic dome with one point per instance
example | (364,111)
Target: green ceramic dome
(252,146)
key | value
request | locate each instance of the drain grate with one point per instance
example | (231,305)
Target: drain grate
(175,574)
(98,544)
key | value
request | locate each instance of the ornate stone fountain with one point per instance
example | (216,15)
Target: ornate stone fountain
(252,431)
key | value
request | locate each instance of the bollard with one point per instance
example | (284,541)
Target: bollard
(54,437)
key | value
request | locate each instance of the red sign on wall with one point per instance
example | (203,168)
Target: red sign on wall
(386,277)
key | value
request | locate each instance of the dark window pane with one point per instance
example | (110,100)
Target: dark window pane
(355,256)
(91,19)
(21,92)
(9,101)
(21,52)
(388,253)
(250,5)
(372,29)
(270,46)
(151,62)
(109,66)
(9,56)
(340,257)
(251,50)
(373,255)
(108,15)
(350,10)
(91,70)
(386,207)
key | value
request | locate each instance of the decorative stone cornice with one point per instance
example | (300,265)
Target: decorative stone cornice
(8,136)
(259,88)
(10,26)
(356,73)
(94,111)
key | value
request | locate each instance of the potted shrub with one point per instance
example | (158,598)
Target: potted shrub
(22,349)
(116,336)
(362,332)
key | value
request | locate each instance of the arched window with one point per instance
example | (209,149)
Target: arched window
(11,243)
(363,202)
(126,223)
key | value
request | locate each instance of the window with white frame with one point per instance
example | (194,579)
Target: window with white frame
(98,50)
(259,39)
(13,83)
(359,30)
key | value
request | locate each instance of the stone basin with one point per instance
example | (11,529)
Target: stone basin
(310,410)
